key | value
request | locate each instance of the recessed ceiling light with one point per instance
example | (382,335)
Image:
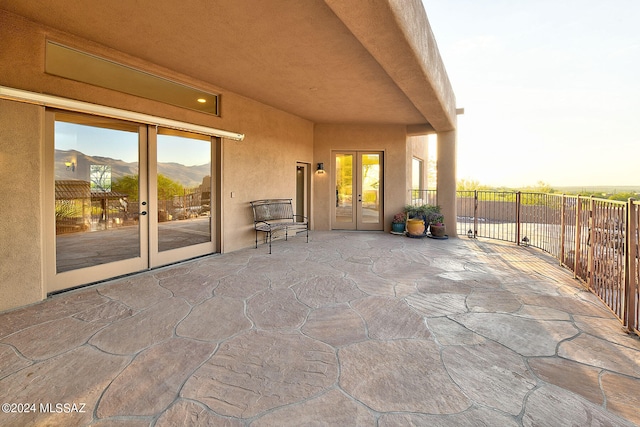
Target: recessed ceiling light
(202,100)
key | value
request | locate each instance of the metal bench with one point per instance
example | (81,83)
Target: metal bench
(270,215)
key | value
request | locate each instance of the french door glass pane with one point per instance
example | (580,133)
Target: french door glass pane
(96,191)
(371,176)
(344,187)
(184,189)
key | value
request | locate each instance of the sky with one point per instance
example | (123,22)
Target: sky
(123,145)
(550,89)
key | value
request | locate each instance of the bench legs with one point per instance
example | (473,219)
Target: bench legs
(266,237)
(269,236)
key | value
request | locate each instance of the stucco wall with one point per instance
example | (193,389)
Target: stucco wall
(391,139)
(20,206)
(261,166)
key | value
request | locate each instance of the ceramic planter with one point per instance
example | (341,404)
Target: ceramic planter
(415,226)
(437,230)
(397,227)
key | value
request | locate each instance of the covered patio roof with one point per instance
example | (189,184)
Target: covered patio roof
(328,61)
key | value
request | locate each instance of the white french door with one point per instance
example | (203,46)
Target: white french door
(183,195)
(358,181)
(123,197)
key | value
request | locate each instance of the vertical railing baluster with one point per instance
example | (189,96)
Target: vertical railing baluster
(518,200)
(475,213)
(592,240)
(563,210)
(630,265)
(576,258)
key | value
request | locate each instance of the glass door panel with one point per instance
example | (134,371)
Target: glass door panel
(99,203)
(371,202)
(344,180)
(183,196)
(96,192)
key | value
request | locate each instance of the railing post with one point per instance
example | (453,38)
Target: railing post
(630,266)
(475,213)
(518,197)
(563,210)
(592,242)
(576,252)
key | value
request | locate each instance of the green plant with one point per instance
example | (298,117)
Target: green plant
(427,212)
(68,209)
(411,211)
(436,218)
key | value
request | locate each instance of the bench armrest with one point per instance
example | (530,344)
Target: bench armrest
(304,219)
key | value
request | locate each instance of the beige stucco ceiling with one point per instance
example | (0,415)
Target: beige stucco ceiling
(305,57)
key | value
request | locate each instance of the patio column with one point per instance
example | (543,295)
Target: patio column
(446,179)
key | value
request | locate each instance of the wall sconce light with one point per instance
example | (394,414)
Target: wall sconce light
(320,168)
(71,166)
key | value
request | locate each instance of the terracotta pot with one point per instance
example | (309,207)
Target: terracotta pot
(415,226)
(437,230)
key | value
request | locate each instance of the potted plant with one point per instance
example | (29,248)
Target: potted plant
(436,224)
(417,218)
(398,222)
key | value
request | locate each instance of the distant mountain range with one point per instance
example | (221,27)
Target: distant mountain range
(188,176)
(598,189)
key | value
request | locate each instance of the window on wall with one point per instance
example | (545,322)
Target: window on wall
(417,174)
(416,179)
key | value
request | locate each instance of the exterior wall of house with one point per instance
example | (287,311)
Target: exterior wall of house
(20,204)
(391,139)
(261,166)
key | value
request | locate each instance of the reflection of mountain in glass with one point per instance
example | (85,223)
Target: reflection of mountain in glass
(188,176)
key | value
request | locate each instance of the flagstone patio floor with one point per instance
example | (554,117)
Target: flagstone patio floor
(350,329)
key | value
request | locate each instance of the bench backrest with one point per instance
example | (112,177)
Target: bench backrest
(272,209)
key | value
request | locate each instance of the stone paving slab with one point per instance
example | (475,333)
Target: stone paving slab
(352,328)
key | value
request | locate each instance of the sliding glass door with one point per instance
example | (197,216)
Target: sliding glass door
(124,197)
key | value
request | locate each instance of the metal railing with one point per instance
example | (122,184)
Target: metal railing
(595,238)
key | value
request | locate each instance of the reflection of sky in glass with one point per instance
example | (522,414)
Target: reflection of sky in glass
(123,145)
(95,141)
(185,151)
